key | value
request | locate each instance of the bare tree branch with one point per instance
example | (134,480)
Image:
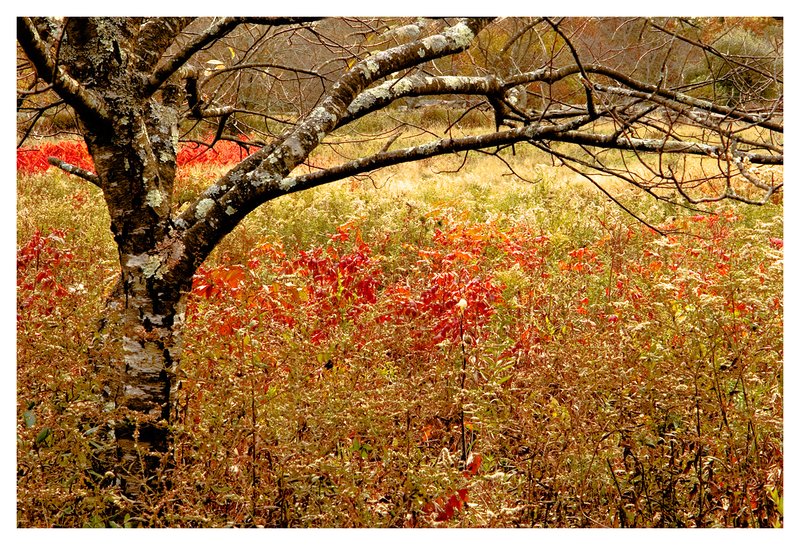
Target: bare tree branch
(76,170)
(263,175)
(520,33)
(587,84)
(715,52)
(169,66)
(550,75)
(659,146)
(85,102)
(425,151)
(213,33)
(155,36)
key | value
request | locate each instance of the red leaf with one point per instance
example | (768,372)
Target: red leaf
(231,277)
(577,254)
(204,290)
(473,465)
(444,507)
(44,276)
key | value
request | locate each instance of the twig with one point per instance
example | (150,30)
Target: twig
(391,140)
(584,76)
(76,170)
(463,383)
(565,161)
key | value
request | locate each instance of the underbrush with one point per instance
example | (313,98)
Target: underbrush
(459,351)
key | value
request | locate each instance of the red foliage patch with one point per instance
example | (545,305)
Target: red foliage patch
(40,263)
(224,152)
(445,507)
(33,160)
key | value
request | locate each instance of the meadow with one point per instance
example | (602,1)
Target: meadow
(427,347)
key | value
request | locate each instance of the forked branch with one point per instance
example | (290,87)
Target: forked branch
(77,96)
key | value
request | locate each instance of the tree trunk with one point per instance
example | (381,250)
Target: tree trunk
(139,338)
(137,357)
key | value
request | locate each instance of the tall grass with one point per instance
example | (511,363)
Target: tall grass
(426,348)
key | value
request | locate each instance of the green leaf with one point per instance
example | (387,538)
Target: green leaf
(91,431)
(43,435)
(29,418)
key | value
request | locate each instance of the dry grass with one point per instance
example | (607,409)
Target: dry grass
(606,377)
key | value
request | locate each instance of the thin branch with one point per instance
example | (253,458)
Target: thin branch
(33,91)
(658,146)
(223,119)
(508,166)
(733,113)
(587,83)
(211,34)
(391,140)
(424,151)
(168,67)
(551,75)
(710,49)
(625,174)
(76,170)
(36,117)
(246,66)
(513,39)
(565,161)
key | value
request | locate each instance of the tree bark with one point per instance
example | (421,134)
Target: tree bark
(137,353)
(138,343)
(140,336)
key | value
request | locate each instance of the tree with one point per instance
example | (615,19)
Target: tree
(134,84)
